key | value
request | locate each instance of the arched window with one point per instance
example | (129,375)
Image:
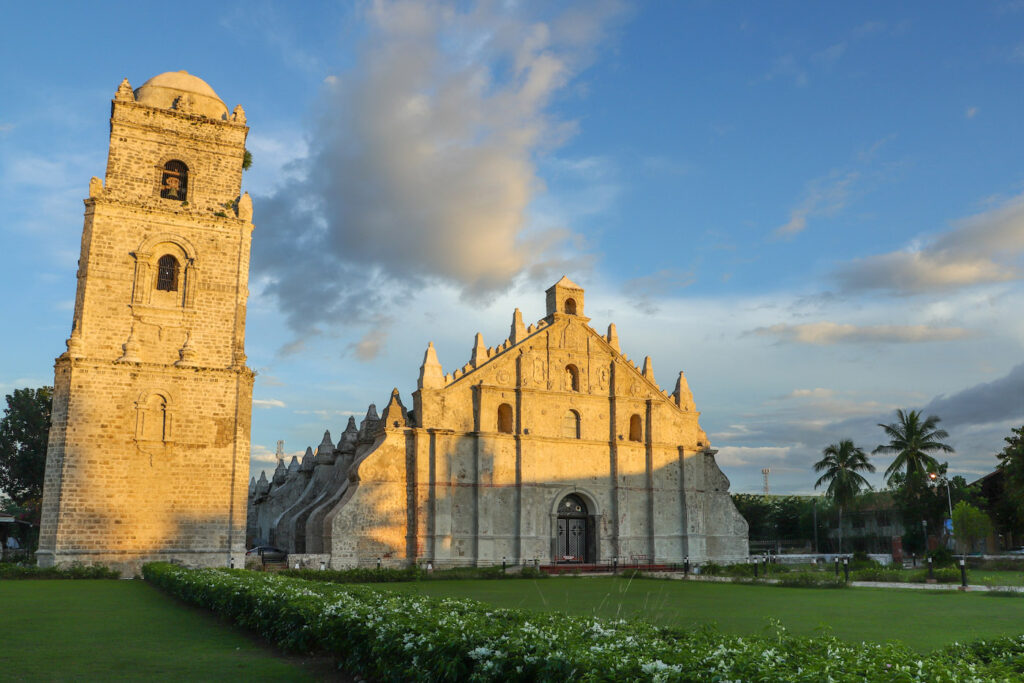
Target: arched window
(167,273)
(174,181)
(571,425)
(572,378)
(505,422)
(570,306)
(636,428)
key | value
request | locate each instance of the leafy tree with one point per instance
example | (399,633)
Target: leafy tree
(24,430)
(842,464)
(786,518)
(912,439)
(970,524)
(1009,507)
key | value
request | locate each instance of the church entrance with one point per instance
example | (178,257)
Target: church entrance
(574,531)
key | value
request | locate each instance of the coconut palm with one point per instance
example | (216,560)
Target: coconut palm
(842,465)
(911,438)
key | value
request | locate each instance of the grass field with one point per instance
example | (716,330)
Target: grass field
(102,630)
(921,619)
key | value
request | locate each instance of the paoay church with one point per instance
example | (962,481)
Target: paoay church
(551,446)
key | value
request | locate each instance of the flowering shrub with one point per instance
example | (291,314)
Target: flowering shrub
(399,637)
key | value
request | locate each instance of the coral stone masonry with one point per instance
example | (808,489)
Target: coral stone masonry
(148,454)
(551,446)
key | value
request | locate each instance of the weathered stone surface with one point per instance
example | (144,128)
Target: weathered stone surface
(476,472)
(149,449)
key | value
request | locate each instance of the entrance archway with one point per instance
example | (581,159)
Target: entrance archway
(574,541)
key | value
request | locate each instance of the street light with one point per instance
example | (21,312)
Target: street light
(949,498)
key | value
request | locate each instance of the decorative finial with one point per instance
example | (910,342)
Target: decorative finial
(682,395)
(130,348)
(124,92)
(431,373)
(395,416)
(243,208)
(518,331)
(238,115)
(479,351)
(75,343)
(613,338)
(648,371)
(186,354)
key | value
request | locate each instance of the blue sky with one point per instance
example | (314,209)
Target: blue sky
(816,211)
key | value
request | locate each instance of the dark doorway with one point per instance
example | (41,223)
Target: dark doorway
(574,531)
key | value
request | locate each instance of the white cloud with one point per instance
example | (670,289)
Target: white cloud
(825,332)
(425,164)
(980,249)
(268,403)
(740,456)
(811,393)
(823,197)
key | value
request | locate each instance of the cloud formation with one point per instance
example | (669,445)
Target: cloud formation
(826,333)
(422,164)
(824,197)
(788,434)
(981,249)
(989,402)
(268,403)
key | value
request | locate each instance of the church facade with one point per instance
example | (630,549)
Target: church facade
(148,452)
(550,447)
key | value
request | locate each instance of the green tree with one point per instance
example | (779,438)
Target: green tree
(1010,506)
(970,524)
(841,467)
(24,430)
(912,439)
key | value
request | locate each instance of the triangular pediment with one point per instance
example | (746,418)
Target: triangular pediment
(570,334)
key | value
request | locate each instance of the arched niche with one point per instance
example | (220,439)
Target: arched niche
(146,287)
(506,421)
(154,417)
(636,428)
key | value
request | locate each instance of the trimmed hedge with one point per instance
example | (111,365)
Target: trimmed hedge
(946,575)
(401,637)
(72,571)
(410,574)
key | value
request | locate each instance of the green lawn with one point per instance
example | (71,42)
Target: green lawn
(922,619)
(101,630)
(993,577)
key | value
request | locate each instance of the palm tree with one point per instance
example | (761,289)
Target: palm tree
(911,438)
(842,465)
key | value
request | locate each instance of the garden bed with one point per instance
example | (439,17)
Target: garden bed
(394,636)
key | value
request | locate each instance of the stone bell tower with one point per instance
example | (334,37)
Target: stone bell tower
(148,456)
